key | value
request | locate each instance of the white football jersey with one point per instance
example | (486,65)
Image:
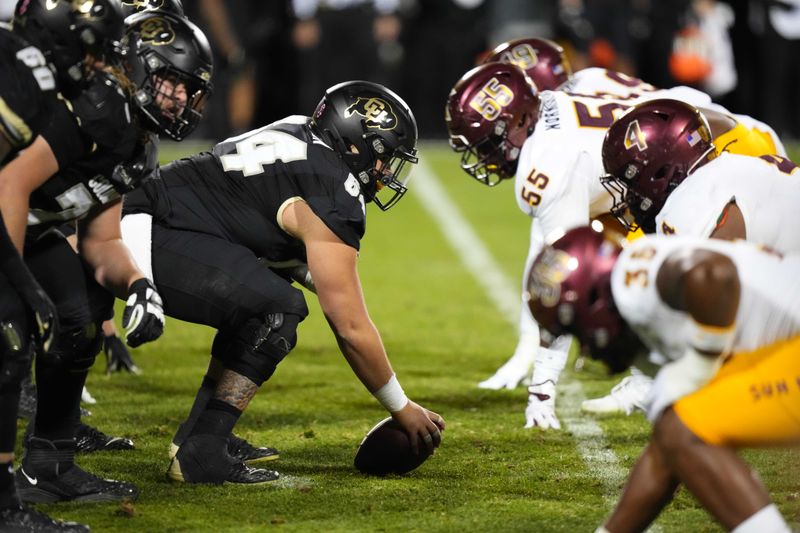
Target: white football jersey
(595,81)
(766,190)
(599,81)
(769,307)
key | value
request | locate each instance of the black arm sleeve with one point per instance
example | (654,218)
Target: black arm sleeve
(11,264)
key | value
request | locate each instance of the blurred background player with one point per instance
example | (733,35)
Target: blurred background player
(288,195)
(78,169)
(723,322)
(27,315)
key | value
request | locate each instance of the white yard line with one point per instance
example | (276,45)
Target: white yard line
(600,459)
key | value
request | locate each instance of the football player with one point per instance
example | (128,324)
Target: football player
(27,98)
(668,176)
(551,142)
(218,231)
(724,322)
(548,67)
(77,169)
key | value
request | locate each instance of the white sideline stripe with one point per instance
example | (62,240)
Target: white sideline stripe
(591,444)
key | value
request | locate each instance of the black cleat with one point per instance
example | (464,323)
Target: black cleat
(89,439)
(241,450)
(204,459)
(22,519)
(245,474)
(75,484)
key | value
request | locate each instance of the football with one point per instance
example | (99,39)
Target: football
(387,450)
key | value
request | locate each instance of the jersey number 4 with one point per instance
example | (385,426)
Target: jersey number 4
(264,147)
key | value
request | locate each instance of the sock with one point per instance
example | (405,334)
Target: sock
(549,364)
(8,492)
(58,400)
(218,418)
(199,405)
(767,519)
(9,404)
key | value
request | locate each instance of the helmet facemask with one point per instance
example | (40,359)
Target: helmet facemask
(638,199)
(394,175)
(493,158)
(385,176)
(170,98)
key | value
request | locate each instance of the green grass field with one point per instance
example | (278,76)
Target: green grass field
(443,335)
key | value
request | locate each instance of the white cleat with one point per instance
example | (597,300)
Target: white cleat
(511,374)
(627,396)
(86,397)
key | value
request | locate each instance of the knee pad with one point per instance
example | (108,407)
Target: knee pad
(16,353)
(257,347)
(75,350)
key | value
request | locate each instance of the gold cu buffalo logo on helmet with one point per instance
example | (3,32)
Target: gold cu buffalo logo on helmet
(377,112)
(141,5)
(157,31)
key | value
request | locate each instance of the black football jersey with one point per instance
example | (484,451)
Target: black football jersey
(27,89)
(238,189)
(90,142)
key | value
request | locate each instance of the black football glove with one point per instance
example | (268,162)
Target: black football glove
(117,356)
(143,318)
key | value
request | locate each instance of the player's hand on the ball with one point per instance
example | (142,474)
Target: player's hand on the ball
(143,318)
(424,427)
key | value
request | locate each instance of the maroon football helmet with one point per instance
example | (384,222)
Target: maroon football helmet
(543,61)
(648,152)
(490,113)
(569,292)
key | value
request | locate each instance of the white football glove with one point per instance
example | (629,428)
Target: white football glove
(541,410)
(511,373)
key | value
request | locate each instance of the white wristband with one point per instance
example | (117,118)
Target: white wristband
(391,395)
(711,339)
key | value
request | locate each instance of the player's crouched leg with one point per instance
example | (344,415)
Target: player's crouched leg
(48,472)
(251,355)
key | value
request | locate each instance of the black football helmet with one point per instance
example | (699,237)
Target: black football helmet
(67,30)
(131,7)
(380,126)
(169,60)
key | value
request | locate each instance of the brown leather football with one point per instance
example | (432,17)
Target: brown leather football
(387,450)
